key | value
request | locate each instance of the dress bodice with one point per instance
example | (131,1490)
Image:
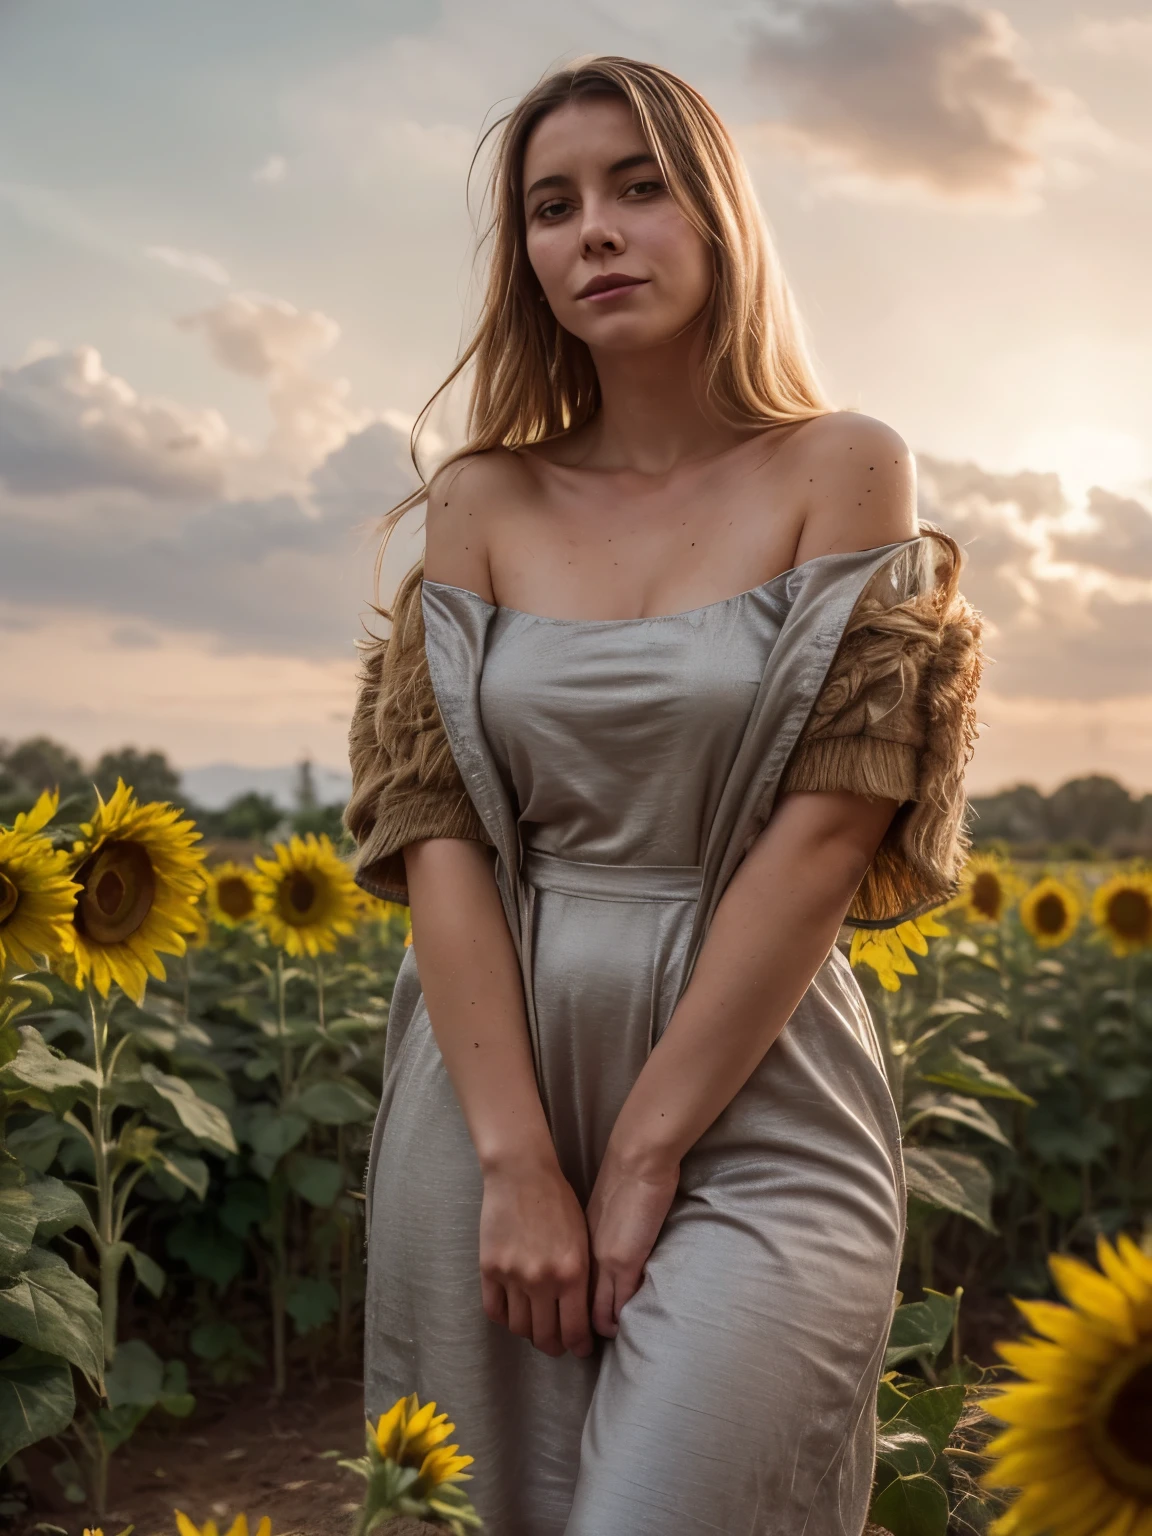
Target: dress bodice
(615,738)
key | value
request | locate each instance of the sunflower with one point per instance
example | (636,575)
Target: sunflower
(1122,910)
(231,894)
(140,878)
(885,950)
(412,1436)
(1079,1441)
(1050,911)
(305,896)
(37,896)
(988,887)
(239,1526)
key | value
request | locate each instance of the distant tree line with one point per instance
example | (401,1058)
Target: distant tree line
(1085,818)
(27,767)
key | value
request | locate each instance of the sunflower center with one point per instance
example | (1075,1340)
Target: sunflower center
(9,896)
(119,887)
(235,896)
(1121,1426)
(987,894)
(1130,915)
(1049,913)
(299,895)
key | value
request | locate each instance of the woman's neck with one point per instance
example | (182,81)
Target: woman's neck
(653,414)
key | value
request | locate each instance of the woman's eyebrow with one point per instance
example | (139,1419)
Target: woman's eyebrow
(627,164)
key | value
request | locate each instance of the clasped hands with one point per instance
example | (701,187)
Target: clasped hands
(552,1272)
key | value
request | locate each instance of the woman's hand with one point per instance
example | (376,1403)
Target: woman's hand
(534,1256)
(625,1214)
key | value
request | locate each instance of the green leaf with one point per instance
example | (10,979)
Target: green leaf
(245,1203)
(54,1311)
(273,1134)
(200,1119)
(58,1207)
(118,1425)
(36,1400)
(148,1272)
(17,1218)
(135,1379)
(1058,1142)
(318,1180)
(207,1248)
(957,1110)
(35,1065)
(912,1506)
(921,1328)
(933,1413)
(191,1172)
(904,1449)
(950,1181)
(889,1400)
(969,1075)
(175,1397)
(336,1101)
(312,1303)
(1128,1082)
(37,1143)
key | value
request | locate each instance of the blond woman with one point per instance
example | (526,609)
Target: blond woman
(679,687)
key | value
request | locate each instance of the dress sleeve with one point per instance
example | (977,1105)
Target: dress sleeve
(405,783)
(896,718)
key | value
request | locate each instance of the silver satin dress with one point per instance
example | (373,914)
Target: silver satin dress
(622,768)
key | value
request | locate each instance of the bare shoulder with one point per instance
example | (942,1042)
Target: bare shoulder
(859,480)
(465,498)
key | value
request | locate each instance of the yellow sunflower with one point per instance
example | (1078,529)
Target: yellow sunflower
(305,896)
(239,1526)
(1079,1441)
(1122,910)
(885,950)
(1050,911)
(412,1436)
(37,895)
(988,887)
(231,894)
(140,878)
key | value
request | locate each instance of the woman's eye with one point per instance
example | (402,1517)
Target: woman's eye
(551,210)
(645,187)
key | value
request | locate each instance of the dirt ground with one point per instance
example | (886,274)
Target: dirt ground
(239,1452)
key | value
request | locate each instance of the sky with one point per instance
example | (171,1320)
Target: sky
(238,258)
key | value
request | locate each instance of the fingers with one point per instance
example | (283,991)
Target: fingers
(546,1323)
(575,1332)
(495,1300)
(519,1312)
(624,1286)
(604,1303)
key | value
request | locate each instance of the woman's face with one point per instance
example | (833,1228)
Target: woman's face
(619,264)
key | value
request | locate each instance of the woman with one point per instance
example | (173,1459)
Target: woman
(678,686)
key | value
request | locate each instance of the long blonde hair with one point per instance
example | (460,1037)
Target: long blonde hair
(534,380)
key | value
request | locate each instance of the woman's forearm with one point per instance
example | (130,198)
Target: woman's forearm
(772,930)
(471,981)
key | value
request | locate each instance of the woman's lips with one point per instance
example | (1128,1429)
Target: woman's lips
(615,292)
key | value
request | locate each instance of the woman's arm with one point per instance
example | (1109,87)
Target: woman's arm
(773,928)
(533,1234)
(534,1258)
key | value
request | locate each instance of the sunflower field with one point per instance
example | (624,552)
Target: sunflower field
(190,1059)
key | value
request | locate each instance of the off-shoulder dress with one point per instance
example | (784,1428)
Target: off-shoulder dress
(619,770)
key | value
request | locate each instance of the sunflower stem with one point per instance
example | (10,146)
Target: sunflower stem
(99,1010)
(320,991)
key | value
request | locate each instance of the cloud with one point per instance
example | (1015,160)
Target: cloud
(195,263)
(268,339)
(272,170)
(924,95)
(1119,37)
(1058,627)
(1121,541)
(284,575)
(67,424)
